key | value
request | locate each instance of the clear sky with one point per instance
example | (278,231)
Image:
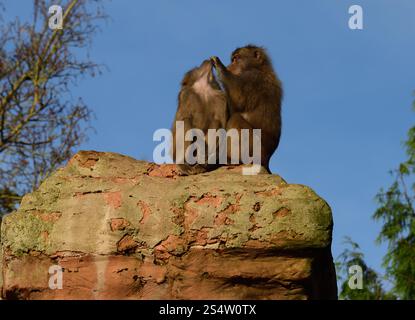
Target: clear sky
(348,93)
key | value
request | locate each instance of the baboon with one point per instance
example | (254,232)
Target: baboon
(201,105)
(254,95)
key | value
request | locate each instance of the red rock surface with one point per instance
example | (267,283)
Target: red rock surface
(126,229)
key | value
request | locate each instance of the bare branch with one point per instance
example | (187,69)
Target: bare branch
(40,123)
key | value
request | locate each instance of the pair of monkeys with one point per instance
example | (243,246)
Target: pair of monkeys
(250,99)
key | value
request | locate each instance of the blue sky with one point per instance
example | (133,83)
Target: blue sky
(348,93)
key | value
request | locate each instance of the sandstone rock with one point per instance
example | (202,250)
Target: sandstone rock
(127,229)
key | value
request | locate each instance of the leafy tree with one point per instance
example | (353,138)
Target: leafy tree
(397,215)
(372,288)
(40,122)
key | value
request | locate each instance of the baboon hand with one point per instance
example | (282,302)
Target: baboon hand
(215,61)
(219,67)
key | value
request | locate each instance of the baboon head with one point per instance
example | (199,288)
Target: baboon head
(247,58)
(202,76)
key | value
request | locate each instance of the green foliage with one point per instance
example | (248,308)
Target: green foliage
(397,215)
(396,212)
(8,200)
(372,285)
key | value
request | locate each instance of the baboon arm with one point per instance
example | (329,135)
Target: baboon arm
(237,121)
(231,82)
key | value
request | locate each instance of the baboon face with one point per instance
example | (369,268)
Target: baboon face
(246,58)
(201,76)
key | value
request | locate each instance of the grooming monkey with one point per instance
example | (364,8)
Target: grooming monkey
(201,105)
(254,95)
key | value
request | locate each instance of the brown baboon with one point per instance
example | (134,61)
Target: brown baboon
(254,96)
(202,105)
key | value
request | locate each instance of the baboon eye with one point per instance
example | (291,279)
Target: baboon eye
(235,58)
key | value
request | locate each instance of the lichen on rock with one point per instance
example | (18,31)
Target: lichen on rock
(138,230)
